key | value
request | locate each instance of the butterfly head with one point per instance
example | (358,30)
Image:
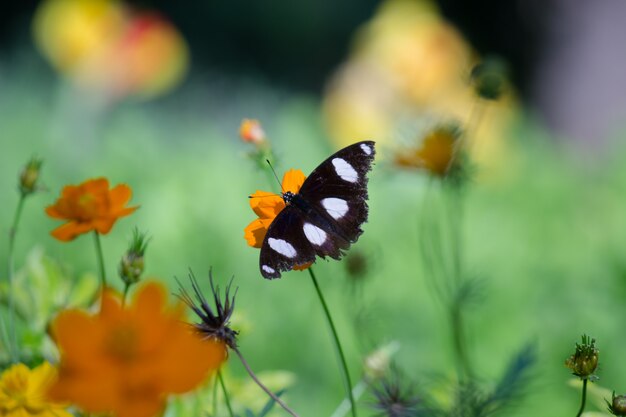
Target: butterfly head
(288,196)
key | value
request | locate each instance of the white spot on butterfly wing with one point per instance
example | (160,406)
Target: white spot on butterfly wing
(282,246)
(366,149)
(336,207)
(345,170)
(268,269)
(315,235)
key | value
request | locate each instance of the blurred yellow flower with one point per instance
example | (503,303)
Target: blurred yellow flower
(433,155)
(23,392)
(126,360)
(408,62)
(73,33)
(104,46)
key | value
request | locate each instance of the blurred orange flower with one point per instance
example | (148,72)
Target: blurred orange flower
(89,206)
(433,155)
(252,131)
(108,47)
(23,392)
(127,360)
(267,205)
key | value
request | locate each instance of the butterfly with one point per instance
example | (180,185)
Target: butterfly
(324,218)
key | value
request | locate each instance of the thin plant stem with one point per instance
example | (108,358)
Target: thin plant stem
(458,337)
(215,383)
(103,280)
(344,406)
(226,398)
(11,338)
(584,399)
(126,288)
(261,385)
(342,357)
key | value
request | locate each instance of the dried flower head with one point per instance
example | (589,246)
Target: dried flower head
(213,324)
(394,399)
(30,175)
(584,361)
(132,264)
(90,206)
(617,406)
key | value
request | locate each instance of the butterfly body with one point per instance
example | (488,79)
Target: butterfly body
(324,218)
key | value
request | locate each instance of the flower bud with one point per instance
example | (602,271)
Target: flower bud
(252,131)
(376,364)
(30,175)
(132,264)
(489,78)
(584,361)
(617,406)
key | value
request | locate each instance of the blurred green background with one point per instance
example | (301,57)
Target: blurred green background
(544,227)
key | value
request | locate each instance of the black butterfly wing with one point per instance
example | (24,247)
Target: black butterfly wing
(337,189)
(285,244)
(324,218)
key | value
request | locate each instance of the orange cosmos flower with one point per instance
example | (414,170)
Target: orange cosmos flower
(89,206)
(126,361)
(267,205)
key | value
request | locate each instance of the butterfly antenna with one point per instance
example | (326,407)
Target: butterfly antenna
(275,176)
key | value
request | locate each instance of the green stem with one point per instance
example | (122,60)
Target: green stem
(11,338)
(215,383)
(582,404)
(458,336)
(226,398)
(126,288)
(342,357)
(261,385)
(103,280)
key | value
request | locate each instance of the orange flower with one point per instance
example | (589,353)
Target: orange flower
(434,155)
(252,131)
(89,206)
(267,205)
(126,360)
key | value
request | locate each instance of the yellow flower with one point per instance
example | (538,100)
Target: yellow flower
(105,46)
(23,392)
(89,206)
(127,360)
(434,155)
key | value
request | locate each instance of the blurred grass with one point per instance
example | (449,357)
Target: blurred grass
(547,237)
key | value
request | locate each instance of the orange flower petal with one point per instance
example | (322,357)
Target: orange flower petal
(125,360)
(266,205)
(303,266)
(120,195)
(255,232)
(55,212)
(69,231)
(293,180)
